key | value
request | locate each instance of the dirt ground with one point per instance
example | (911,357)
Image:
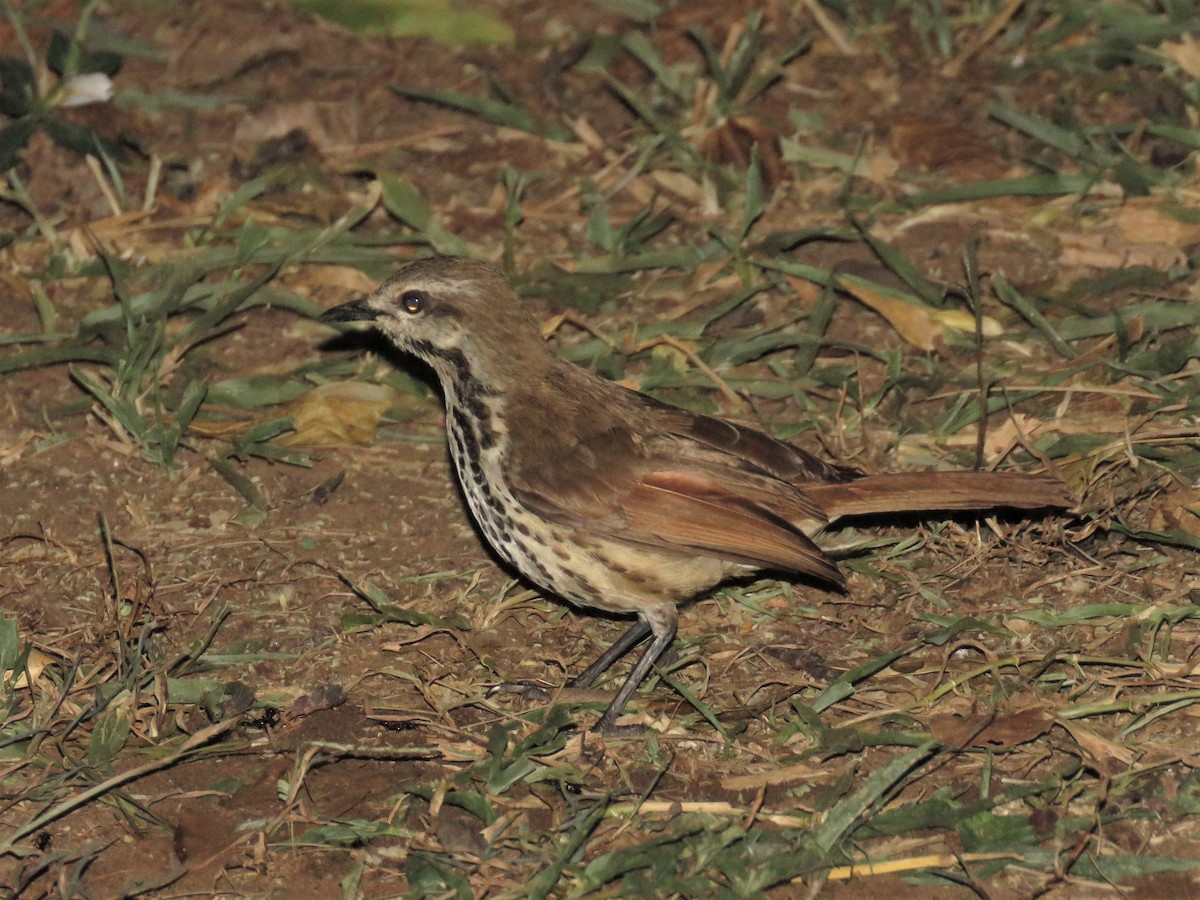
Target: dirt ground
(346,745)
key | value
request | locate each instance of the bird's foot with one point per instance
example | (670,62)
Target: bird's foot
(571,692)
(613,730)
(526,689)
(605,726)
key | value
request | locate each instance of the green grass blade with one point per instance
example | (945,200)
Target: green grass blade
(839,822)
(637,45)
(1011,297)
(1028,186)
(540,886)
(497,112)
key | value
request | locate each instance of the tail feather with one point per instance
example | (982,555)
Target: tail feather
(929,491)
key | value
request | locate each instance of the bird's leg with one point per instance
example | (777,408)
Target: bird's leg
(659,620)
(626,642)
(662,620)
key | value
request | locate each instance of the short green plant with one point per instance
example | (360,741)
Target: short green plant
(135,365)
(31,104)
(703,117)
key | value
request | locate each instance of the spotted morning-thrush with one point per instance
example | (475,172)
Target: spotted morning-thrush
(612,500)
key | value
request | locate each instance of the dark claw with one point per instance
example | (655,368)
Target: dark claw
(613,730)
(527,689)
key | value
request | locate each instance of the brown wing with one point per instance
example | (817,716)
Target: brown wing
(630,469)
(700,514)
(682,511)
(750,447)
(641,484)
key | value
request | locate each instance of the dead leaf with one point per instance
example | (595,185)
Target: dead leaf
(1004,436)
(733,140)
(781,775)
(1184,52)
(806,291)
(1143,224)
(918,324)
(34,665)
(912,864)
(929,144)
(587,134)
(682,186)
(880,166)
(1107,250)
(1177,511)
(11,448)
(337,414)
(1001,731)
(1103,755)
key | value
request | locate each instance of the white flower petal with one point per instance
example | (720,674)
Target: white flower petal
(93,87)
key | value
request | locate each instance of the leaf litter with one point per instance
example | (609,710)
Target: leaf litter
(249,629)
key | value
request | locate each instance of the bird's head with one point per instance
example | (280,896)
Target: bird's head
(458,315)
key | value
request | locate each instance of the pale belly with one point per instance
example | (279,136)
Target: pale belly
(587,570)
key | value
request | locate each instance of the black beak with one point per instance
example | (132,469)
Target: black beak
(354,311)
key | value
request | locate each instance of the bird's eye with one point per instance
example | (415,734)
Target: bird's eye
(414,301)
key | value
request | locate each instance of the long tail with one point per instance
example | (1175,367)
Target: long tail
(928,491)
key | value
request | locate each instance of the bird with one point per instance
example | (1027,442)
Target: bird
(613,500)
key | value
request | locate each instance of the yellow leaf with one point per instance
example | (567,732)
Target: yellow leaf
(961,320)
(336,414)
(918,324)
(1185,53)
(912,321)
(34,665)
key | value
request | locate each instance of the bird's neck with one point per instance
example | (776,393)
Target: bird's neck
(474,414)
(518,416)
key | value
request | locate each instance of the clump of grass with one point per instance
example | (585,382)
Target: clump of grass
(31,104)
